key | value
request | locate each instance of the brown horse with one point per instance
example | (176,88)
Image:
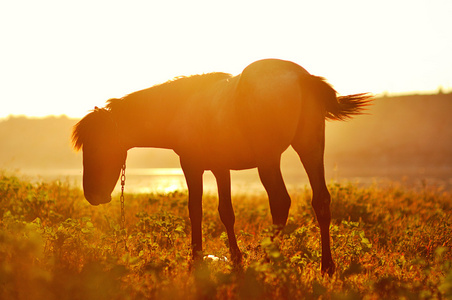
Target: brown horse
(220,122)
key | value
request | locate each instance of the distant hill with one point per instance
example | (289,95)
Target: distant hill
(403,136)
(406,132)
(36,143)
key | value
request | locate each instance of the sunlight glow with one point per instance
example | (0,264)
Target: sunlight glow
(157,172)
(65,58)
(172,188)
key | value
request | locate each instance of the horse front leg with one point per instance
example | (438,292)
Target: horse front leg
(226,211)
(193,176)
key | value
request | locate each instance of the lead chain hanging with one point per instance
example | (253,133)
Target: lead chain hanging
(123,183)
(123,216)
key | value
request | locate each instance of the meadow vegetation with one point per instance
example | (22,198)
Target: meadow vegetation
(388,242)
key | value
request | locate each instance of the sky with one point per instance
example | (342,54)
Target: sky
(65,57)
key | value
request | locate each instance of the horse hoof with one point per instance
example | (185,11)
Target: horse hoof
(329,269)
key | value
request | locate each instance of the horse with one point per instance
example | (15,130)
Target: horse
(220,122)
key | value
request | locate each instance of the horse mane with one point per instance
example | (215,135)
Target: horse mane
(84,129)
(176,87)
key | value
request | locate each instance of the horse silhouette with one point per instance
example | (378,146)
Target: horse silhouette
(220,122)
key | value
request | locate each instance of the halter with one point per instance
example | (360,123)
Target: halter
(123,174)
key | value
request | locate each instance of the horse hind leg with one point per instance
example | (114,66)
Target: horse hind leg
(310,151)
(226,211)
(271,177)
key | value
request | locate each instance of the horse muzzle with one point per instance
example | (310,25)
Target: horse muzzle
(95,199)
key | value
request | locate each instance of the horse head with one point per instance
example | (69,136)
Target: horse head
(97,135)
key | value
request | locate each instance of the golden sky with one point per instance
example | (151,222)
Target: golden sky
(65,57)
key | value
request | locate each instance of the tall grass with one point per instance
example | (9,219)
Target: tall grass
(389,242)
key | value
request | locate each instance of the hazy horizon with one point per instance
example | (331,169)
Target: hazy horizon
(404,138)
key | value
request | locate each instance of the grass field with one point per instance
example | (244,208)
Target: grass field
(391,242)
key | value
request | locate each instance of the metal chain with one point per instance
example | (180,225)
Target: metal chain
(123,216)
(123,183)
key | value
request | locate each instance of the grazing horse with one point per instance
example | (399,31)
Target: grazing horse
(220,122)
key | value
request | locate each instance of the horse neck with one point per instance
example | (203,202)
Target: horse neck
(149,125)
(157,117)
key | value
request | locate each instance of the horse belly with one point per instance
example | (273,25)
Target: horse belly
(227,148)
(211,155)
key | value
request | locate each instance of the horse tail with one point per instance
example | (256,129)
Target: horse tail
(345,107)
(337,107)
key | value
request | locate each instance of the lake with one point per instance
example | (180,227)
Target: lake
(164,180)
